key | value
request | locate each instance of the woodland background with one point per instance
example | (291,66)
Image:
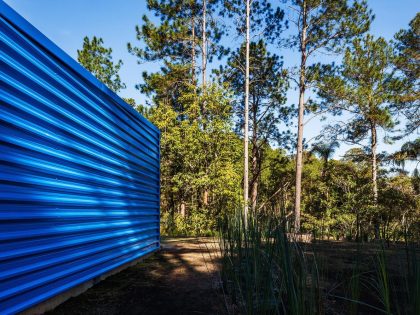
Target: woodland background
(368,96)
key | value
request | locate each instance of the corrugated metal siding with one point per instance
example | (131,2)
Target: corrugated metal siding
(79,172)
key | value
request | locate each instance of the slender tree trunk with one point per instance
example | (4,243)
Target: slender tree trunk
(255,177)
(204,46)
(182,209)
(299,146)
(246,114)
(172,210)
(374,168)
(206,197)
(204,80)
(192,46)
(254,157)
(374,164)
(254,195)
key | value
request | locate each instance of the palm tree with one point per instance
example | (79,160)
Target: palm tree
(325,151)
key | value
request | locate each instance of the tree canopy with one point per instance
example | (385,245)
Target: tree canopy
(369,94)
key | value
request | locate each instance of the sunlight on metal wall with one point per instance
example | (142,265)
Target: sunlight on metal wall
(79,172)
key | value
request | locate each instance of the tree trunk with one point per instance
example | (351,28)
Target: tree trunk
(255,157)
(255,177)
(374,168)
(246,114)
(204,46)
(254,195)
(204,81)
(192,45)
(182,210)
(299,146)
(206,197)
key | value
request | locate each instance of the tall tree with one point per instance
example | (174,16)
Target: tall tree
(204,45)
(98,60)
(211,34)
(185,29)
(320,25)
(408,46)
(172,42)
(175,42)
(322,200)
(366,87)
(246,110)
(325,150)
(194,158)
(267,97)
(257,24)
(408,49)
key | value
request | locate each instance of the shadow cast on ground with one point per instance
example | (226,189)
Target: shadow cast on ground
(180,279)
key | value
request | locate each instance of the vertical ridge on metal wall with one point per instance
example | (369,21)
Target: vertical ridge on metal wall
(79,172)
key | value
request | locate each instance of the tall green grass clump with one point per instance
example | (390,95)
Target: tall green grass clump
(412,278)
(398,292)
(264,272)
(355,285)
(395,288)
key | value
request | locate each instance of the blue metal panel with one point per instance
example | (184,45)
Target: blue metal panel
(79,172)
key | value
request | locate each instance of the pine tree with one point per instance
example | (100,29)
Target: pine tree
(176,44)
(259,18)
(320,25)
(98,60)
(366,87)
(185,110)
(408,49)
(267,97)
(246,110)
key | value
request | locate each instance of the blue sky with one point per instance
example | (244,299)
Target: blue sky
(67,22)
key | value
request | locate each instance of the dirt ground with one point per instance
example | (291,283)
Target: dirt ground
(180,279)
(183,278)
(337,259)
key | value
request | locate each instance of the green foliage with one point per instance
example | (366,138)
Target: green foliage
(98,60)
(198,160)
(171,42)
(201,145)
(263,272)
(267,97)
(407,44)
(175,42)
(331,24)
(267,89)
(410,151)
(328,26)
(364,86)
(400,209)
(407,61)
(264,18)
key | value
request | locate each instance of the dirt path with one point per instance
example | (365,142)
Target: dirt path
(181,279)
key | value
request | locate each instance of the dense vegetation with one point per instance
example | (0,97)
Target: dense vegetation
(266,271)
(197,101)
(199,98)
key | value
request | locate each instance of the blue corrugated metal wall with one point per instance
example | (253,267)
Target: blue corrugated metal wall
(79,172)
